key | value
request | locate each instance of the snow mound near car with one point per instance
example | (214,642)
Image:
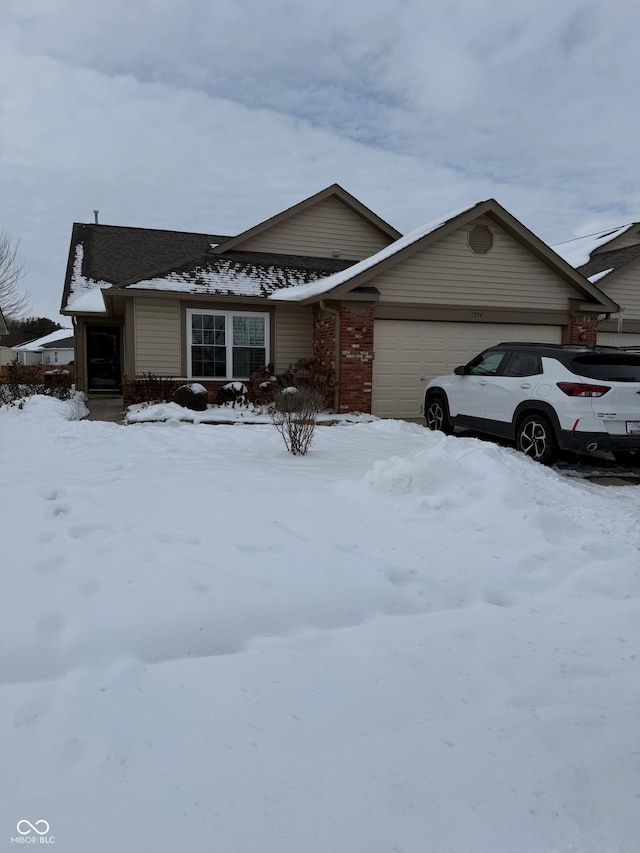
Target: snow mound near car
(458,473)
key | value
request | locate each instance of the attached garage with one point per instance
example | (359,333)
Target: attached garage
(409,353)
(435,298)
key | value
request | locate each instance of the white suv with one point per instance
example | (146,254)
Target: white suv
(545,397)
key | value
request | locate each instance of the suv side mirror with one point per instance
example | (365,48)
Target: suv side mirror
(460,371)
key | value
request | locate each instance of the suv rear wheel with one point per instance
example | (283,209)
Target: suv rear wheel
(535,438)
(436,414)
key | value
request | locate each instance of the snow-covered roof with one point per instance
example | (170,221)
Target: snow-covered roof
(38,344)
(578,251)
(597,276)
(85,293)
(328,283)
(223,276)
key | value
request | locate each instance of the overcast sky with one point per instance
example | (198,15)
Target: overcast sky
(211,115)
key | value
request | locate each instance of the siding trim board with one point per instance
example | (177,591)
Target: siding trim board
(469,314)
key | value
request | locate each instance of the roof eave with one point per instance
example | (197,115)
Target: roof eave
(183,295)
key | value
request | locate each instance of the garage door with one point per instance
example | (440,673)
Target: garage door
(613,339)
(410,353)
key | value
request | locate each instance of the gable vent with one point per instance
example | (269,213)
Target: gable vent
(480,239)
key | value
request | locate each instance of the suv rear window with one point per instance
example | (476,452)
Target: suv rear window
(611,367)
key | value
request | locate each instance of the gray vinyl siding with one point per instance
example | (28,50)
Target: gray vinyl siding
(318,231)
(157,337)
(294,335)
(625,290)
(448,272)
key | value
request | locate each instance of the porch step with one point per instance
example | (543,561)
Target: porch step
(105,407)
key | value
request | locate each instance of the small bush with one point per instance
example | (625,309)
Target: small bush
(264,386)
(314,374)
(311,373)
(234,393)
(194,397)
(293,414)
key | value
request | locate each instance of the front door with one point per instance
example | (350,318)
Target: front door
(103,358)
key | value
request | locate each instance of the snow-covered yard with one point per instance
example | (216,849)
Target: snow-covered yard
(400,643)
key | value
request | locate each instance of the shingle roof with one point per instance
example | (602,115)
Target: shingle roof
(53,339)
(578,250)
(113,254)
(237,273)
(63,343)
(611,261)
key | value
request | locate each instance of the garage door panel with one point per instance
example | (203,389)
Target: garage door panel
(410,353)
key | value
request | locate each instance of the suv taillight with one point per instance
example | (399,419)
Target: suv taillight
(581,389)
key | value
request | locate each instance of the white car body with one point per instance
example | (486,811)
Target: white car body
(509,383)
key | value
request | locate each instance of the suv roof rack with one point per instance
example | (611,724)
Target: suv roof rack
(560,347)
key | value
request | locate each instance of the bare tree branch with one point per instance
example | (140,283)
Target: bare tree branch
(14,301)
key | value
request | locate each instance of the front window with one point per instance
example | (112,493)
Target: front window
(227,345)
(486,364)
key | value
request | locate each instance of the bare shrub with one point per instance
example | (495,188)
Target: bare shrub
(265,385)
(293,413)
(313,373)
(152,389)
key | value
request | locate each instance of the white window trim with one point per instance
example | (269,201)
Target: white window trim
(229,340)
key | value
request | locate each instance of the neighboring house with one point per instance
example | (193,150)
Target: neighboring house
(6,355)
(327,277)
(612,259)
(7,339)
(59,352)
(55,348)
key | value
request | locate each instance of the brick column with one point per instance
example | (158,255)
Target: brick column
(324,336)
(583,329)
(356,357)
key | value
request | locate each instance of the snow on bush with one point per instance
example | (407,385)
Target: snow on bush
(41,408)
(234,393)
(194,397)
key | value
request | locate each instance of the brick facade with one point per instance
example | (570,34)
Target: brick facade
(324,336)
(356,357)
(583,329)
(355,370)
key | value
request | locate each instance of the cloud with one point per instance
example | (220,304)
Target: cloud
(210,117)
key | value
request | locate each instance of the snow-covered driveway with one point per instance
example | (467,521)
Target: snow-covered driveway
(401,642)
